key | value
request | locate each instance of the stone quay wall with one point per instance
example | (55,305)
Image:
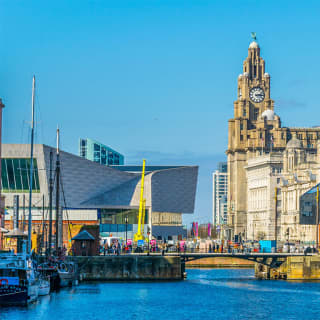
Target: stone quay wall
(127,268)
(293,268)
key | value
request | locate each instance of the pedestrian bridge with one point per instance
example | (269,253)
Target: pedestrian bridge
(272,260)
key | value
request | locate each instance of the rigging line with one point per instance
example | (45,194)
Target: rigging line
(65,204)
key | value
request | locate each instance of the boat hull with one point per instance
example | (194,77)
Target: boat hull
(66,279)
(14,295)
(44,288)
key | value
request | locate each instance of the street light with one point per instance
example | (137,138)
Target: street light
(148,233)
(126,221)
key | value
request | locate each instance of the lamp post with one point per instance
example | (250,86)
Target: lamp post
(126,221)
(148,233)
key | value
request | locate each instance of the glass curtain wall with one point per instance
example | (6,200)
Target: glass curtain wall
(15,175)
(117,216)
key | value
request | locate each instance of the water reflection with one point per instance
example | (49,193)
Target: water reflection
(206,294)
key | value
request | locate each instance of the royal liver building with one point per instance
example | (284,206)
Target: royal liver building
(265,159)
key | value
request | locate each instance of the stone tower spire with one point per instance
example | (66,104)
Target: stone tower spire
(249,131)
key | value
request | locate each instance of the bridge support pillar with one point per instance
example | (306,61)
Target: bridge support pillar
(293,268)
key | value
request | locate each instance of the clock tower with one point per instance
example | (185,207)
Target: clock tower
(255,130)
(253,87)
(250,132)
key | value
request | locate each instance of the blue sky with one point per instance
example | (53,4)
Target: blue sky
(153,79)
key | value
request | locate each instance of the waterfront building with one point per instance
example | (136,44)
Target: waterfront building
(219,193)
(263,179)
(100,153)
(289,175)
(97,194)
(300,173)
(255,128)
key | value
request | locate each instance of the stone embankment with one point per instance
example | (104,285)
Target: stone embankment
(129,268)
(293,268)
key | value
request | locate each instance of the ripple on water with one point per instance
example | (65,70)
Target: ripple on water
(206,294)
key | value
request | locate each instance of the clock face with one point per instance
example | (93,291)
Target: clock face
(256,94)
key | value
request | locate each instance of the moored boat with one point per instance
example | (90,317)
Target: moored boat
(44,287)
(18,284)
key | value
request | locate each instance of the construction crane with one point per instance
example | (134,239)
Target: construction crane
(139,235)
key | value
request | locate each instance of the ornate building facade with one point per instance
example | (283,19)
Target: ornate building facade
(255,130)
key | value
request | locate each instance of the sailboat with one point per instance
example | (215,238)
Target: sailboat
(18,276)
(62,273)
(66,270)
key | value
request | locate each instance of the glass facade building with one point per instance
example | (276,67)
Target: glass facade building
(100,153)
(220,190)
(15,175)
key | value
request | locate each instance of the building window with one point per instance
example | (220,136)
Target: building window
(96,153)
(256,113)
(241,126)
(15,175)
(83,148)
(288,136)
(244,112)
(241,137)
(103,156)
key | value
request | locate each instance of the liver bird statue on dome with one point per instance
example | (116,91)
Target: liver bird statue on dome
(253,36)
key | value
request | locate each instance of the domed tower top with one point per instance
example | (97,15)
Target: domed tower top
(254,45)
(294,142)
(254,64)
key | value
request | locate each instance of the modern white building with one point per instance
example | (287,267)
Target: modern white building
(220,189)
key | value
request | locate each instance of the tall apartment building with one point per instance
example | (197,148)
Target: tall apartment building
(219,196)
(100,153)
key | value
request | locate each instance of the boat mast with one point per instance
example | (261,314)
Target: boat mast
(43,227)
(31,167)
(57,194)
(50,204)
